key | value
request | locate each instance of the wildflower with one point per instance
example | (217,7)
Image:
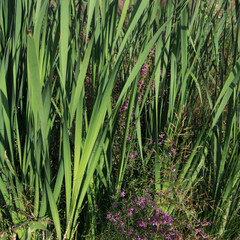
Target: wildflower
(153,86)
(3,234)
(130,213)
(141,202)
(121,223)
(165,215)
(173,150)
(130,231)
(188,226)
(131,155)
(160,135)
(141,224)
(121,193)
(158,211)
(153,51)
(108,216)
(155,223)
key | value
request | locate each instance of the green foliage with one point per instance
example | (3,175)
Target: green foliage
(67,69)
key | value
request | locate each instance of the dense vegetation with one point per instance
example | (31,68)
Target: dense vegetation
(119,119)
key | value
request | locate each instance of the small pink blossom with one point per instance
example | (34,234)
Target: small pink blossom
(131,155)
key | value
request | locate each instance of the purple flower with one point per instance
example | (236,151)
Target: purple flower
(155,223)
(173,150)
(130,213)
(109,216)
(158,211)
(121,193)
(160,135)
(165,215)
(130,231)
(131,155)
(141,202)
(188,226)
(121,223)
(141,224)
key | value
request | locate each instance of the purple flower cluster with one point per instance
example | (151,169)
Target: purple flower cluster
(140,217)
(144,216)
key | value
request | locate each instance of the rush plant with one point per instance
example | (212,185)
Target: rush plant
(67,68)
